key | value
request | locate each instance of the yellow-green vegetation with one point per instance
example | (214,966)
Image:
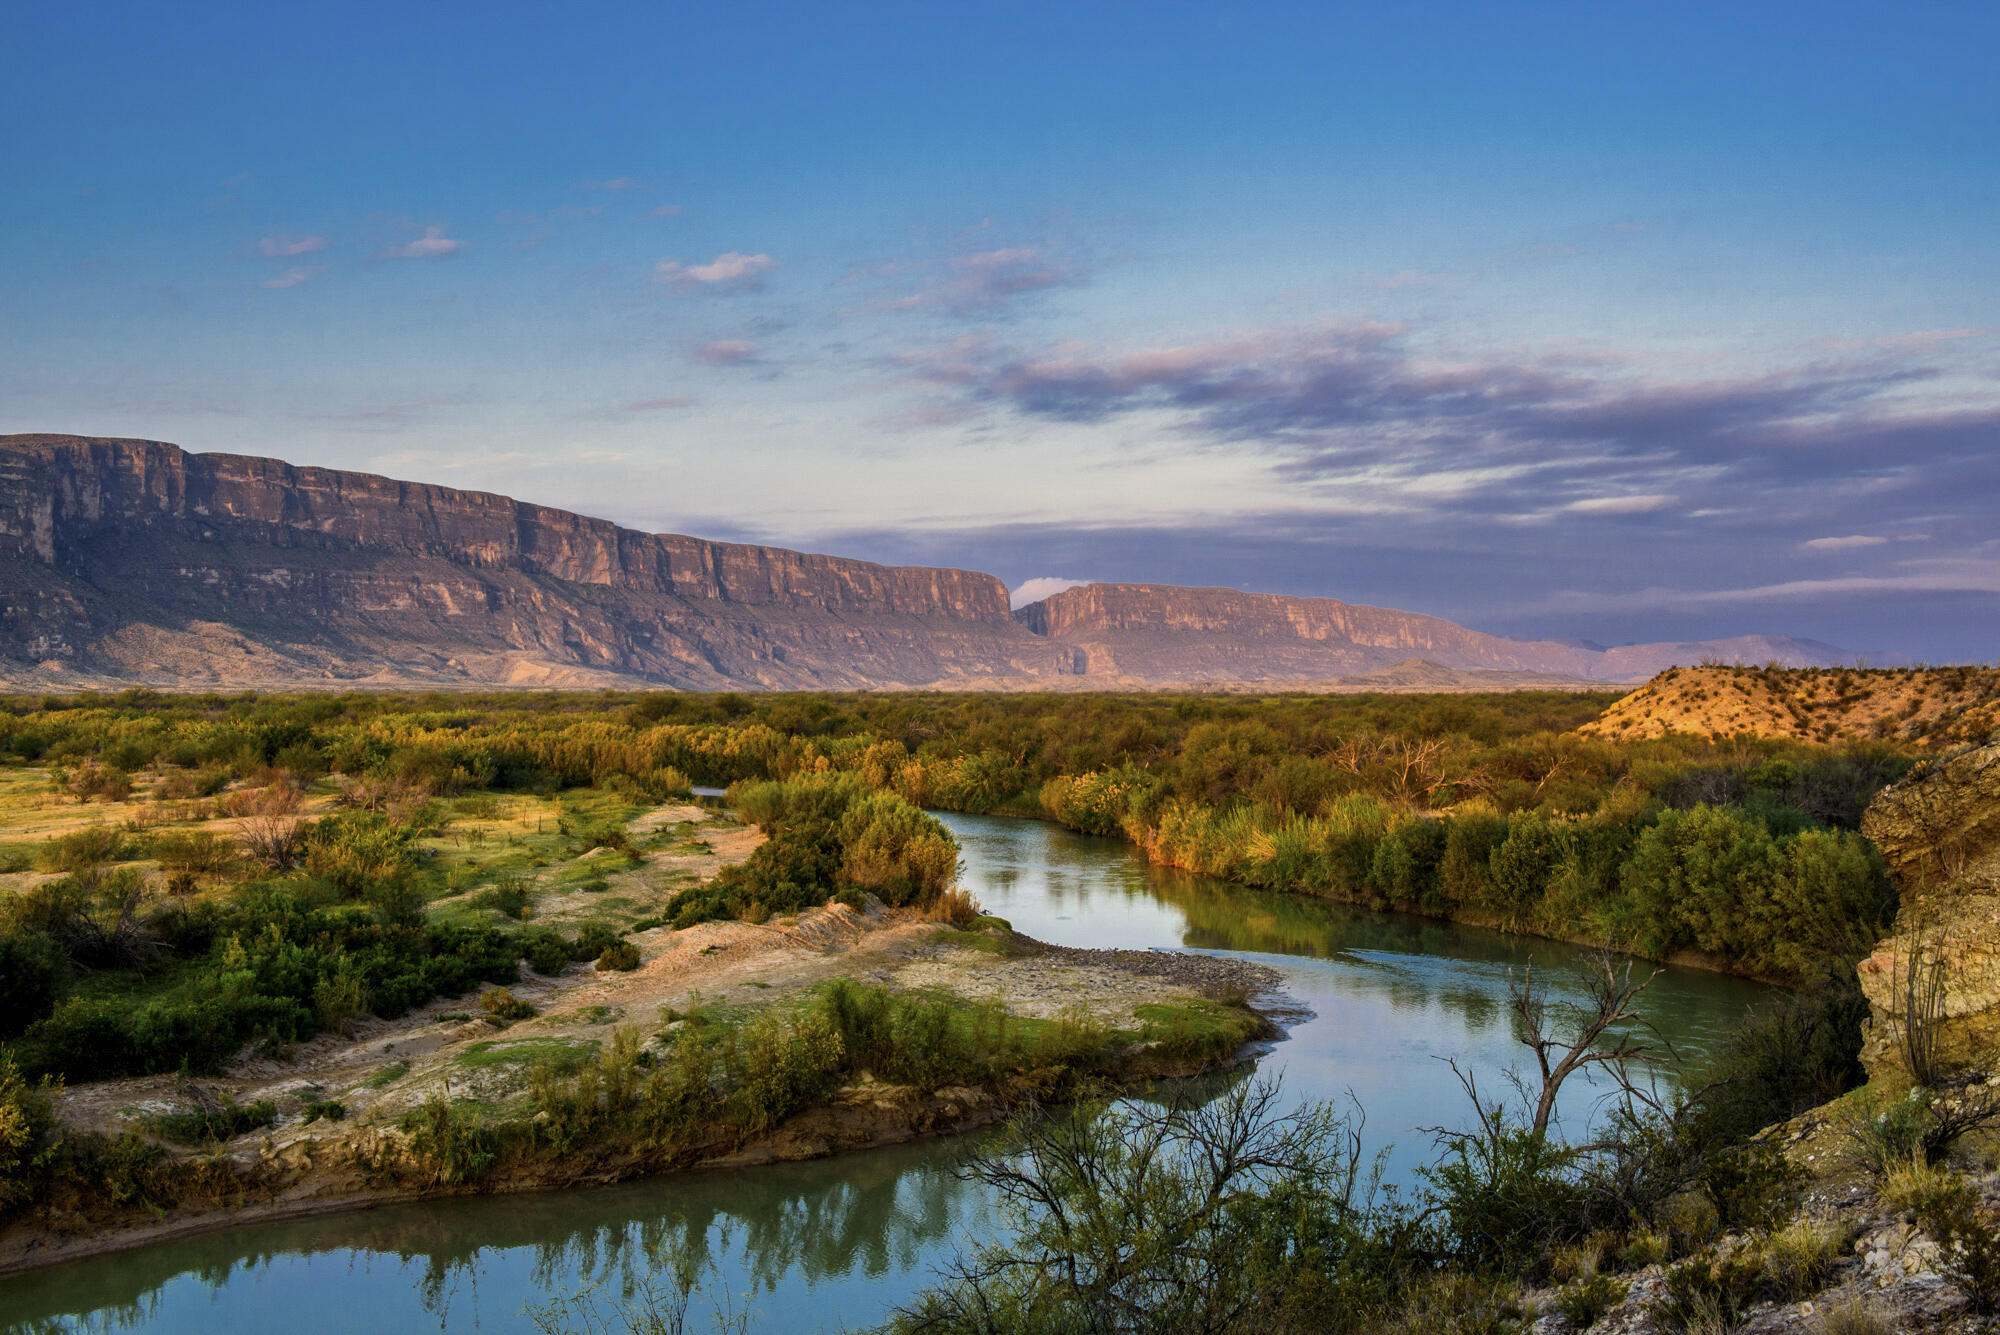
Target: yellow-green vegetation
(1490,809)
(716,1077)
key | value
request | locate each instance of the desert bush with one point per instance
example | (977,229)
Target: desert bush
(618,957)
(1968,1235)
(357,852)
(508,896)
(503,1008)
(81,850)
(1583,1301)
(94,782)
(212,1123)
(193,852)
(1799,1259)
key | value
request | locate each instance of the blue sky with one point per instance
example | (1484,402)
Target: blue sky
(1609,321)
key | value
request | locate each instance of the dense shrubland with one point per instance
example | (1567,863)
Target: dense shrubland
(1469,807)
(1481,808)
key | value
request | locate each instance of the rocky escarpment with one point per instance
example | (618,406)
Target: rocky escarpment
(135,560)
(1939,831)
(1163,633)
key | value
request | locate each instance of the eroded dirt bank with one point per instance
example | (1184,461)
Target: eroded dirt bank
(382,1076)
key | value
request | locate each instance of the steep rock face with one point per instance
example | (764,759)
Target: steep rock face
(1165,633)
(1939,831)
(135,560)
(59,491)
(126,561)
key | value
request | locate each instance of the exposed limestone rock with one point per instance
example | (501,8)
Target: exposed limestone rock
(1939,830)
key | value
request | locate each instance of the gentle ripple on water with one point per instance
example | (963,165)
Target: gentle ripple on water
(837,1243)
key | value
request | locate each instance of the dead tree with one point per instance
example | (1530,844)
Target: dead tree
(1567,1037)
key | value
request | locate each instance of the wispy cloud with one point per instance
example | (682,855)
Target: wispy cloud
(668,210)
(615,183)
(433,244)
(287,247)
(1946,575)
(731,271)
(667,403)
(1844,544)
(985,279)
(726,352)
(290,277)
(1619,505)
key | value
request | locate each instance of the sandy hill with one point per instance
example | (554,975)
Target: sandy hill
(1927,706)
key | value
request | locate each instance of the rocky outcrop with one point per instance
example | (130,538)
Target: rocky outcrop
(1163,633)
(1939,831)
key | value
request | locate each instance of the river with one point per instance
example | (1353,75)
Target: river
(838,1243)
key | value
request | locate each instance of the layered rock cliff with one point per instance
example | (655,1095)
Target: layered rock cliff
(1939,831)
(135,560)
(1163,633)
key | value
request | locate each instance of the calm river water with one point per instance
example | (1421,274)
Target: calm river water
(838,1243)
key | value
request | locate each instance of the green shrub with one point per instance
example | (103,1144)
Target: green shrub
(1583,1301)
(1968,1236)
(786,1062)
(33,973)
(213,1125)
(193,852)
(503,1007)
(544,949)
(508,897)
(453,1142)
(81,850)
(618,957)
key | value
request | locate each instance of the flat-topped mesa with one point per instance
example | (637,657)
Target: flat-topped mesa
(1346,635)
(135,562)
(59,491)
(1165,632)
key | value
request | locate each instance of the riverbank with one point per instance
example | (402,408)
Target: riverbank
(1461,916)
(408,1110)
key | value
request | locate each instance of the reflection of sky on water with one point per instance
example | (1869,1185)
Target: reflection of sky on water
(836,1243)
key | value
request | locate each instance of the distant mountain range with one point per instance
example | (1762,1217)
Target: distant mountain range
(136,562)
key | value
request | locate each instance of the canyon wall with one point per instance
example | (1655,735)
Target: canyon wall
(136,562)
(1161,632)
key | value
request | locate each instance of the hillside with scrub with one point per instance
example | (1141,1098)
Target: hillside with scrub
(1923,707)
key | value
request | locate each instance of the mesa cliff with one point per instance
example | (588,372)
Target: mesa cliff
(135,562)
(1196,636)
(129,560)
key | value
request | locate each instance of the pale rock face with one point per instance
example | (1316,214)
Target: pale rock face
(1939,831)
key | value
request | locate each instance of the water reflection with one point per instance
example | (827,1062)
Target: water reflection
(834,1244)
